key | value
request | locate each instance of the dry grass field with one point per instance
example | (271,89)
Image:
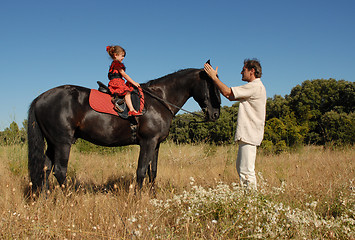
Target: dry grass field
(307,194)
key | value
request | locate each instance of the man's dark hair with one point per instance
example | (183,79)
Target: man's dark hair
(253,64)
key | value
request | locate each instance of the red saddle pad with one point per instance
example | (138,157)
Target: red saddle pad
(101,102)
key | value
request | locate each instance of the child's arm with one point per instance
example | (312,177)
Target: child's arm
(128,78)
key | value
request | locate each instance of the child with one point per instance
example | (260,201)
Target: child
(117,85)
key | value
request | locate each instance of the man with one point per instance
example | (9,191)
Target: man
(251,116)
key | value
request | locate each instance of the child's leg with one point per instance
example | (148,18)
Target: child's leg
(128,100)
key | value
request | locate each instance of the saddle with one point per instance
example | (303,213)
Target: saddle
(101,101)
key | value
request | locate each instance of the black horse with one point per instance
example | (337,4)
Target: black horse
(62,114)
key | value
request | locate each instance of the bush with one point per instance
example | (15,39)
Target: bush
(338,128)
(85,146)
(267,146)
(13,135)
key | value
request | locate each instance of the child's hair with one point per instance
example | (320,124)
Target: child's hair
(111,50)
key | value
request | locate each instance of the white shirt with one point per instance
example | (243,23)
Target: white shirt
(251,113)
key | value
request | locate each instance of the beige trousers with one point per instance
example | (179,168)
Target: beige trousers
(246,165)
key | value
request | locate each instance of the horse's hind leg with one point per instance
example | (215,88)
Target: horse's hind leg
(48,165)
(61,157)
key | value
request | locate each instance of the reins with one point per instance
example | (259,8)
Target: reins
(173,105)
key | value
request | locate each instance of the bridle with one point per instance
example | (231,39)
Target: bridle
(167,104)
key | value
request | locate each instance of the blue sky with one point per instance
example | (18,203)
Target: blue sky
(44,44)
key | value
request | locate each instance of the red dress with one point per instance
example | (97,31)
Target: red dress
(117,84)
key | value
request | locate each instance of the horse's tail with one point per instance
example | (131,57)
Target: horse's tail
(36,147)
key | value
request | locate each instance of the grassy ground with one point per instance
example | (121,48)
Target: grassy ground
(308,194)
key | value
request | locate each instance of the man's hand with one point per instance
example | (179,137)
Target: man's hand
(211,72)
(225,90)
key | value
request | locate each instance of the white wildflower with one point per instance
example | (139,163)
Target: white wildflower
(192,181)
(137,233)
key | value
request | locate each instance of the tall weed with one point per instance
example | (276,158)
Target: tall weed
(308,194)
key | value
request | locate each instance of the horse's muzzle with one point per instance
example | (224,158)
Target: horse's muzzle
(211,116)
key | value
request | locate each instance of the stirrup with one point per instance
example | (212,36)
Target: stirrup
(118,108)
(116,100)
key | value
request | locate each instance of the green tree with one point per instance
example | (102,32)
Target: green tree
(179,130)
(338,128)
(13,135)
(277,107)
(311,100)
(275,133)
(222,131)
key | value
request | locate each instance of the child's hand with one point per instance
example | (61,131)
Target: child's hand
(137,85)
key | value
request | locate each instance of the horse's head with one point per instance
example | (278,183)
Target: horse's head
(208,96)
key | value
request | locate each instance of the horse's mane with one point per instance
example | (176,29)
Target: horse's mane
(171,75)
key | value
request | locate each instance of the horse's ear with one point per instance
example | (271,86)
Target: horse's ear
(203,74)
(209,62)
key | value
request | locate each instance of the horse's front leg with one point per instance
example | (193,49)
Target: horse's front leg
(146,157)
(152,169)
